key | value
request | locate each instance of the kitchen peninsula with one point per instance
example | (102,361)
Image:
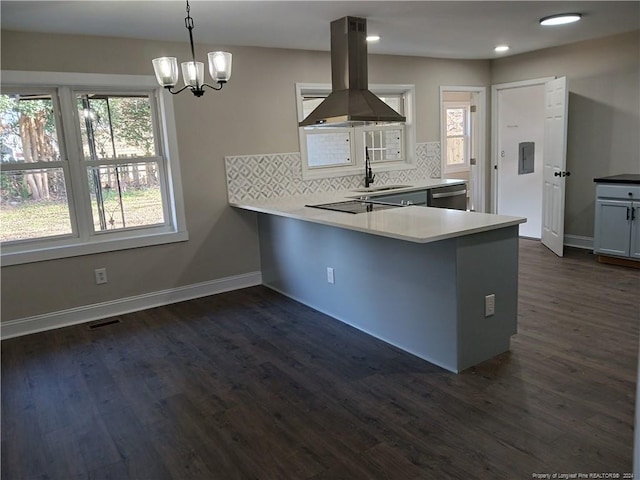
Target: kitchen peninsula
(419,278)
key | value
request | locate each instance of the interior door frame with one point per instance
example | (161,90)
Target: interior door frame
(480,193)
(495,89)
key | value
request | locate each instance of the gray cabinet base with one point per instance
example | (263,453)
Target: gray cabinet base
(427,299)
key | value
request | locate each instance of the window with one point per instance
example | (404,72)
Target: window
(32,169)
(456,148)
(86,169)
(330,152)
(119,151)
(384,144)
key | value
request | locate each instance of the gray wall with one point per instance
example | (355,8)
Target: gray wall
(604,112)
(255,113)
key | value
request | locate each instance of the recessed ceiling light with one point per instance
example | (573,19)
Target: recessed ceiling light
(501,48)
(560,19)
(373,38)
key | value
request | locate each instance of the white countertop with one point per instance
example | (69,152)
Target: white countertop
(413,223)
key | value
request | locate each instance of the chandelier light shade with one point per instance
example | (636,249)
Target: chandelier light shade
(220,66)
(166,68)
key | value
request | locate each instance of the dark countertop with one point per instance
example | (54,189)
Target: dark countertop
(624,178)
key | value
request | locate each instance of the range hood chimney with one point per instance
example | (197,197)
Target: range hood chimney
(350,102)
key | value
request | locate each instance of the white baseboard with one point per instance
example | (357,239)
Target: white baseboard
(97,311)
(578,242)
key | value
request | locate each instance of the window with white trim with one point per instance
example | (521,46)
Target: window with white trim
(330,152)
(456,150)
(86,167)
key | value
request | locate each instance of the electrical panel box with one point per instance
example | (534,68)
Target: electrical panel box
(526,154)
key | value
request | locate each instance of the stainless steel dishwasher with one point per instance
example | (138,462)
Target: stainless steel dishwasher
(452,196)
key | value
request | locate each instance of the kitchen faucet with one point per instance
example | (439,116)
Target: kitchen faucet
(368,173)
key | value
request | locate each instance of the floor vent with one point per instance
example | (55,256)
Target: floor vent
(103,323)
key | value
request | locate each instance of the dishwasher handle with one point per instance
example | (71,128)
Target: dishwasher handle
(449,194)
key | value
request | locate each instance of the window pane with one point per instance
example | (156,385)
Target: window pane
(125,196)
(394,102)
(384,144)
(28,129)
(34,205)
(309,104)
(328,149)
(455,151)
(115,126)
(455,121)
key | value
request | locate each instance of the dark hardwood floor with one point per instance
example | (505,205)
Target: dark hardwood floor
(252,385)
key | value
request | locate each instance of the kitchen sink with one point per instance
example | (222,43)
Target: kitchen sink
(381,188)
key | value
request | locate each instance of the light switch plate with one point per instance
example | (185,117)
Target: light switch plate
(101,275)
(490,305)
(330,277)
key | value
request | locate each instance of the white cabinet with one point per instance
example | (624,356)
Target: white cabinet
(617,220)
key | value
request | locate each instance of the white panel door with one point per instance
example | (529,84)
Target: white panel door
(555,161)
(521,116)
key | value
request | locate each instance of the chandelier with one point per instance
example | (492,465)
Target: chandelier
(166,68)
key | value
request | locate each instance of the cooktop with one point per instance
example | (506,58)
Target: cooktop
(354,206)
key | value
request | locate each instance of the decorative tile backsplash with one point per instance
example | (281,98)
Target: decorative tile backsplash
(252,177)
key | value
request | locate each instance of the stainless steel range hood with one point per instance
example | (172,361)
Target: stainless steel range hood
(350,102)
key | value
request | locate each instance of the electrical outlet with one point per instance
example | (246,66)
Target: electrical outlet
(101,275)
(490,305)
(330,278)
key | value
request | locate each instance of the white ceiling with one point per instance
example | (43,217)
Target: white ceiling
(447,29)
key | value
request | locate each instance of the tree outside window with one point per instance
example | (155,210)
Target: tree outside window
(33,181)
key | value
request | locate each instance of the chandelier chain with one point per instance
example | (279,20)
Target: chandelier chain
(188,21)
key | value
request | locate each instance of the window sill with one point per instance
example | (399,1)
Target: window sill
(457,169)
(331,172)
(41,254)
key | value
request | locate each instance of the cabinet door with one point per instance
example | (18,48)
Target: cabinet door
(634,250)
(612,229)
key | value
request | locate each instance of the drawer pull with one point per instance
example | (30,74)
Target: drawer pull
(448,194)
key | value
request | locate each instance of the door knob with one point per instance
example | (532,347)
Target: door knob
(556,174)
(566,174)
